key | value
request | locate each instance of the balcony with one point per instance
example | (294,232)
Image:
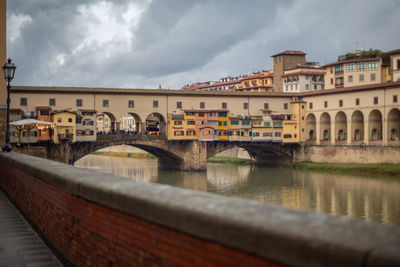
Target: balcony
(65,137)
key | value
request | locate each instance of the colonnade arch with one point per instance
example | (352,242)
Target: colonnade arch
(311,127)
(131,122)
(156,124)
(394,125)
(357,126)
(375,125)
(107,122)
(340,126)
(354,127)
(325,127)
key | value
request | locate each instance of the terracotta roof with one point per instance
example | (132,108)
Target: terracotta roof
(351,60)
(61,111)
(257,76)
(350,89)
(393,52)
(205,110)
(305,73)
(290,53)
(88,110)
(43,107)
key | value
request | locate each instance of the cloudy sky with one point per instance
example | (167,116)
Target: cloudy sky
(147,43)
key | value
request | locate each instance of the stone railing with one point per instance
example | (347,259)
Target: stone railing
(96,219)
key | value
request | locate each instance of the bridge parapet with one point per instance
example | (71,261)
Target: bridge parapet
(95,218)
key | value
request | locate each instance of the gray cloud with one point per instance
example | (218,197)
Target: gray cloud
(175,42)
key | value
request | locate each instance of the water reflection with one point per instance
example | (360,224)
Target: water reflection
(371,199)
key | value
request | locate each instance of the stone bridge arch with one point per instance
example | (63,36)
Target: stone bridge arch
(182,155)
(265,153)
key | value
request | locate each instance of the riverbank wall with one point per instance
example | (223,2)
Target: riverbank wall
(97,219)
(348,154)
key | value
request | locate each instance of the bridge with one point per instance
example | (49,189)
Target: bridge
(174,154)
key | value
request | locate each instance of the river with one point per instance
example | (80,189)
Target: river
(367,198)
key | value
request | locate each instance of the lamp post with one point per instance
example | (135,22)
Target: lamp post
(9,71)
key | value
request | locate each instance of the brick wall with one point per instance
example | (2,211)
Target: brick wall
(90,234)
(3,126)
(97,219)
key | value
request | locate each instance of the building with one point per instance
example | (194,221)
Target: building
(283,61)
(64,126)
(394,65)
(103,123)
(182,126)
(303,79)
(86,125)
(44,132)
(295,125)
(356,69)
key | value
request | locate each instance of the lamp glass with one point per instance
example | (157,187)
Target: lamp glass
(9,70)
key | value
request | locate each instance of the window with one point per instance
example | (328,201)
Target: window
(361,77)
(234,122)
(373,77)
(23,101)
(177,122)
(59,119)
(350,67)
(315,87)
(361,66)
(266,106)
(202,105)
(179,104)
(375,100)
(52,102)
(373,65)
(131,103)
(331,80)
(45,112)
(350,78)
(155,103)
(79,102)
(105,103)
(307,77)
(340,103)
(310,105)
(398,64)
(326,104)
(339,68)
(395,99)
(307,86)
(357,101)
(201,114)
(224,105)
(245,105)
(69,119)
(287,88)
(285,106)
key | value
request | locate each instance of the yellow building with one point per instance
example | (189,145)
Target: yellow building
(256,82)
(64,126)
(294,129)
(181,126)
(223,125)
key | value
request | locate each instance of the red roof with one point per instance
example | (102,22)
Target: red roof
(304,73)
(393,52)
(290,53)
(350,89)
(352,60)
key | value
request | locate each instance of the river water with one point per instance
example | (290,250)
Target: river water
(367,198)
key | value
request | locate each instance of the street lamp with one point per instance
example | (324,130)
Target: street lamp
(9,71)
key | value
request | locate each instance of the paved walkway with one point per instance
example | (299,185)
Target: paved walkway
(19,244)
